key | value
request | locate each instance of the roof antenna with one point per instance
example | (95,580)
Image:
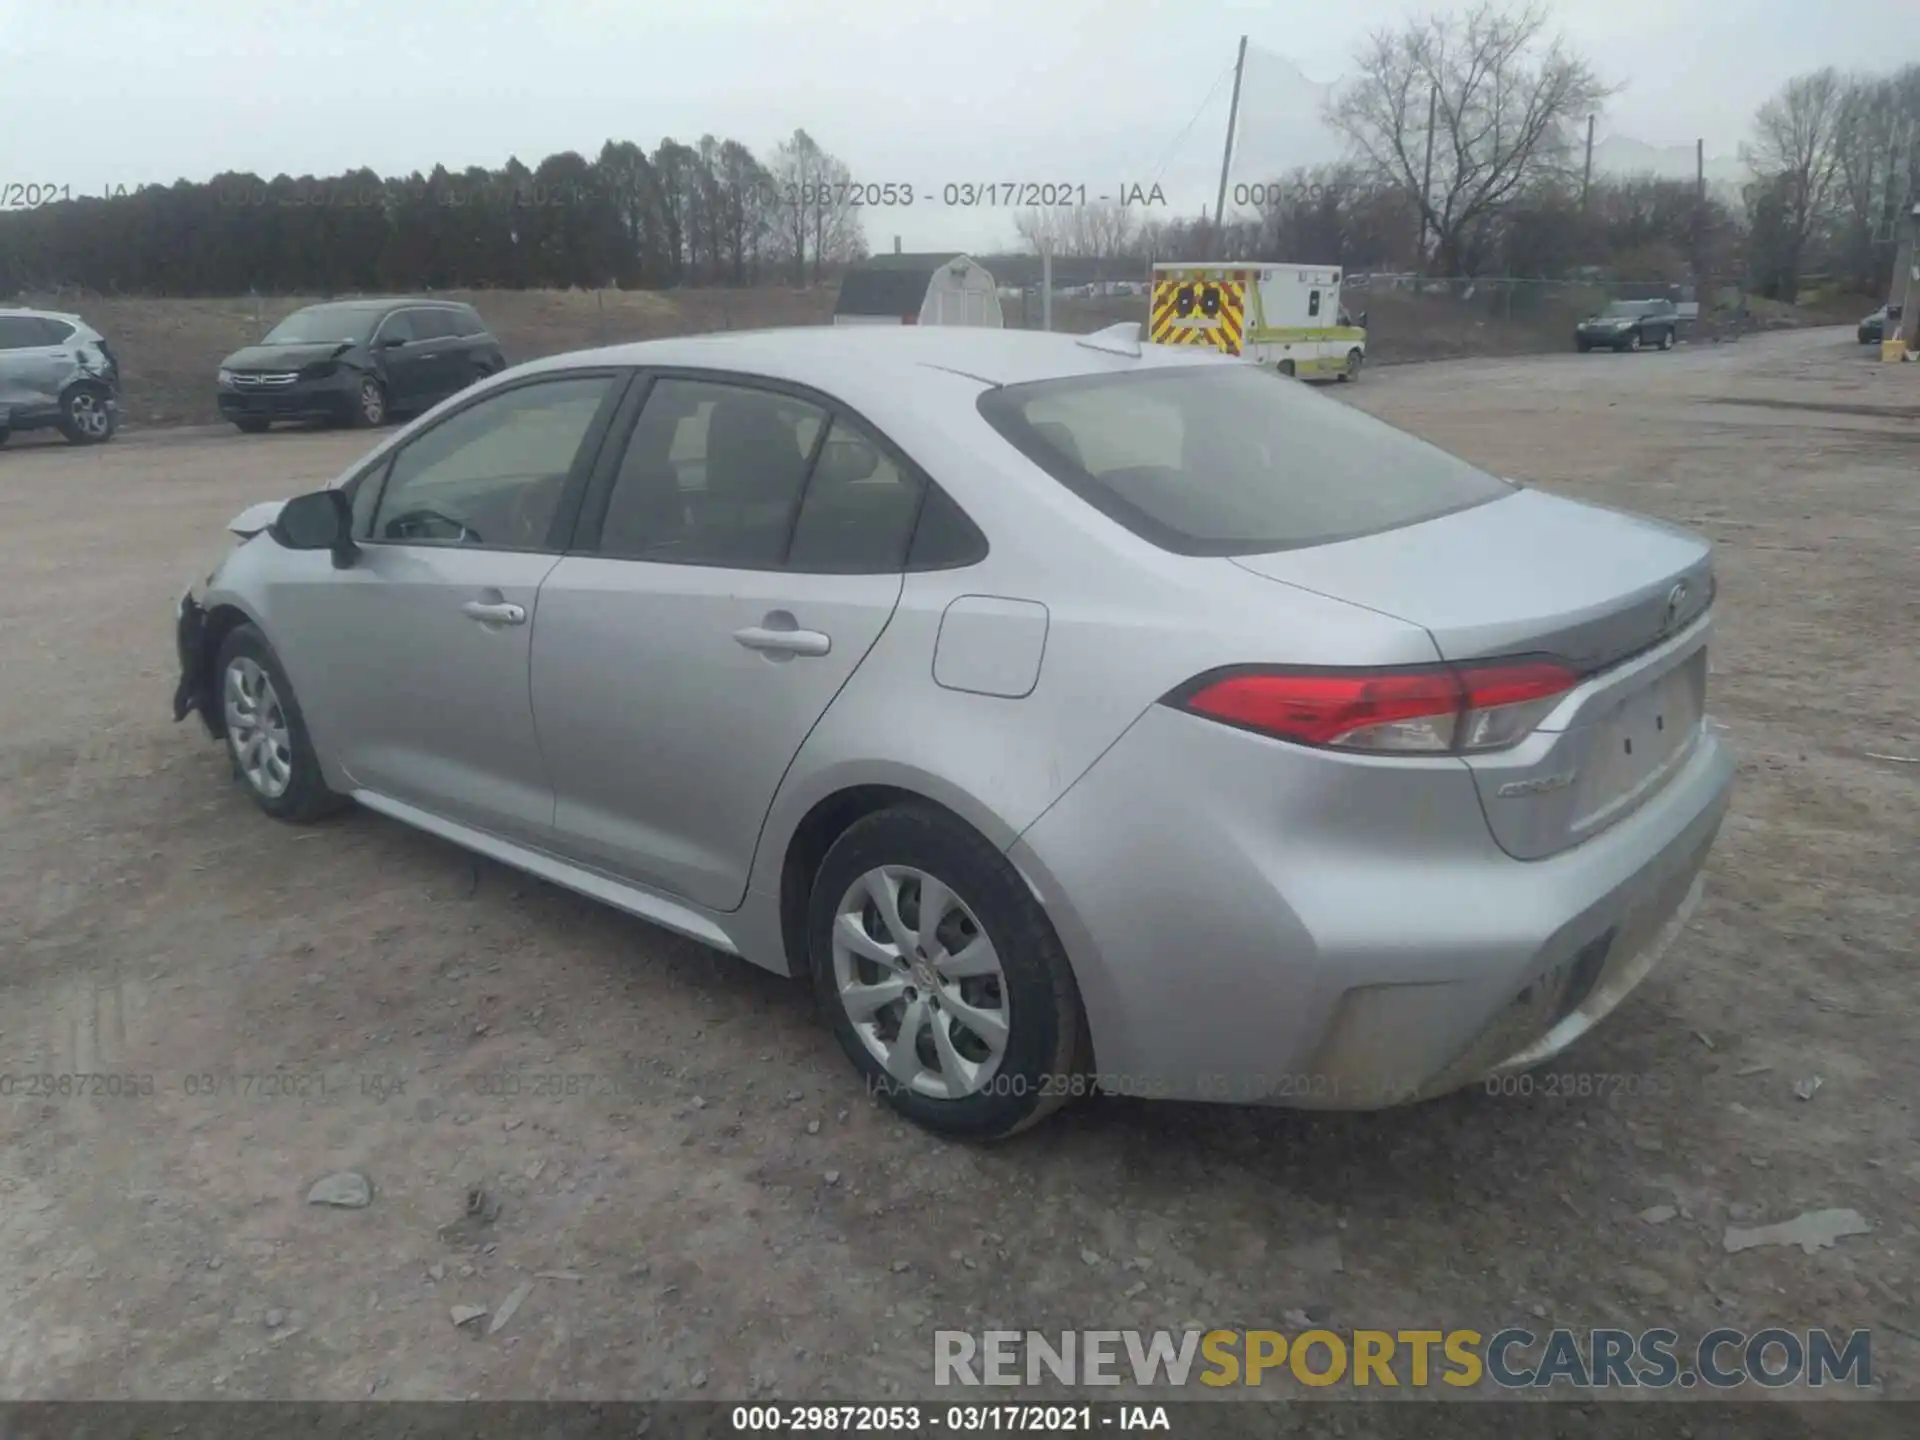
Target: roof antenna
(1121,339)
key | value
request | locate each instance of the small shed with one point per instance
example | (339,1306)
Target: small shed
(926,289)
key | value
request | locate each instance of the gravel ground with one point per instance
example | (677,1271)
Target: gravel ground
(700,1195)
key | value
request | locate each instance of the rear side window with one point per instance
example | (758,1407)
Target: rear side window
(1229,459)
(397,326)
(711,476)
(859,509)
(467,322)
(55,332)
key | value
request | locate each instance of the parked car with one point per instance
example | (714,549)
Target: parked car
(1874,328)
(355,362)
(1630,325)
(1071,712)
(56,371)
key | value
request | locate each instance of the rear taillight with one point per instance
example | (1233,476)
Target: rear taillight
(1431,710)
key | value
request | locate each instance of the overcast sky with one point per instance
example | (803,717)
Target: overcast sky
(97,93)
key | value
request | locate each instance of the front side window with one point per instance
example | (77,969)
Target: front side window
(492,474)
(431,324)
(711,476)
(324,325)
(1219,460)
(20,332)
(396,327)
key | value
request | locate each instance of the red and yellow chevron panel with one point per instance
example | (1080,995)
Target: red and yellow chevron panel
(1207,308)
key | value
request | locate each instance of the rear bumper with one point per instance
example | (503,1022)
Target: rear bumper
(1295,928)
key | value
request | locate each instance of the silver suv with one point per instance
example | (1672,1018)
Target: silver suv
(56,370)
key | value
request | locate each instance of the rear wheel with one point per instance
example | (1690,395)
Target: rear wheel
(1285,367)
(86,417)
(267,739)
(1666,339)
(253,425)
(942,976)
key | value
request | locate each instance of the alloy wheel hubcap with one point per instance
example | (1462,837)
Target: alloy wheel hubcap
(370,402)
(89,416)
(257,727)
(921,982)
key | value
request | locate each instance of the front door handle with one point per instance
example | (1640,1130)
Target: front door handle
(504,613)
(783,642)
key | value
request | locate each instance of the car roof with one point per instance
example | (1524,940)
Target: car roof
(41,314)
(355,303)
(843,358)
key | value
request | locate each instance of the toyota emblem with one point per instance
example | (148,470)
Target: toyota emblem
(1676,602)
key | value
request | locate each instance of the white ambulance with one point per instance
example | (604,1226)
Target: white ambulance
(1284,316)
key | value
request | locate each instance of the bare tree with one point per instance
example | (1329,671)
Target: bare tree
(1504,99)
(1794,158)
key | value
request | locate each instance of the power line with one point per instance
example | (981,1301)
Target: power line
(1187,129)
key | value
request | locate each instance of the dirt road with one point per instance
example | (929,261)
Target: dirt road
(684,1170)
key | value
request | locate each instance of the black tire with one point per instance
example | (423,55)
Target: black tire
(306,797)
(1044,1060)
(1666,339)
(5,435)
(369,410)
(86,416)
(1633,341)
(253,425)
(1582,346)
(1285,367)
(1352,370)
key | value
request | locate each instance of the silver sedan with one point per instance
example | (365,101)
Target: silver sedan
(1072,713)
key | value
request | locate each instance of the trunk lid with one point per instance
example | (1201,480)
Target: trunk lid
(1622,598)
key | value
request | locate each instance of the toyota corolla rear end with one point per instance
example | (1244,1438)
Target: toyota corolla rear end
(1353,885)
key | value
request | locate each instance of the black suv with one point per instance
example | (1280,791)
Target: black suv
(355,362)
(1630,325)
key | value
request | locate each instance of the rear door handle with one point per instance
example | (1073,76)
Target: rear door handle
(504,613)
(783,642)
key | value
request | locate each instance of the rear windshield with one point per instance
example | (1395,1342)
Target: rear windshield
(1230,459)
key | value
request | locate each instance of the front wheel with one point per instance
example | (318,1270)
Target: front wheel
(1582,346)
(1666,339)
(267,738)
(253,425)
(369,405)
(1634,341)
(1285,367)
(1352,370)
(86,417)
(942,977)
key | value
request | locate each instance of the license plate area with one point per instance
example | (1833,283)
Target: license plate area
(1635,748)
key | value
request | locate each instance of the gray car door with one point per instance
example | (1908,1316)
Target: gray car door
(413,661)
(698,631)
(33,366)
(404,361)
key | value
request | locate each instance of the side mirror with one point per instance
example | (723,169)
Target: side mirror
(322,520)
(388,342)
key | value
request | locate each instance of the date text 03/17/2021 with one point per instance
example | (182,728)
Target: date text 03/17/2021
(980,194)
(953,1419)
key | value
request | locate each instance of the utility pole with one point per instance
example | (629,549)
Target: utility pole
(1700,223)
(1426,174)
(1586,175)
(1046,284)
(1226,158)
(1904,290)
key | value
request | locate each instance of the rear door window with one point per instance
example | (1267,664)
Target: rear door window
(432,324)
(1230,460)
